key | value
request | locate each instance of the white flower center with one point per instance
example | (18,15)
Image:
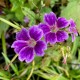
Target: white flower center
(31,43)
(54,28)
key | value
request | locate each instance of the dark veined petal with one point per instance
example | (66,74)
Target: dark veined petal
(73,30)
(17,49)
(72,27)
(35,33)
(22,35)
(44,27)
(50,38)
(62,22)
(40,47)
(72,23)
(18,45)
(61,36)
(26,54)
(50,18)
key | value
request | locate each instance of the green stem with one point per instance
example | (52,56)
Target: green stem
(62,69)
(75,46)
(9,23)
(13,59)
(5,54)
(4,43)
(12,66)
(31,71)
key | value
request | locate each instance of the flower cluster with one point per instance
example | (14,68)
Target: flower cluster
(52,28)
(34,41)
(28,43)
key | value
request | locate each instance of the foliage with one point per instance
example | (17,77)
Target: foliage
(51,66)
(73,11)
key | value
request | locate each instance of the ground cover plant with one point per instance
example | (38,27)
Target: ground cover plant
(40,40)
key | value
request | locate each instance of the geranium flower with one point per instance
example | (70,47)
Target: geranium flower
(72,29)
(52,28)
(26,20)
(29,43)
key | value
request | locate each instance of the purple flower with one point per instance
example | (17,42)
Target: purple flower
(26,20)
(28,43)
(72,29)
(52,28)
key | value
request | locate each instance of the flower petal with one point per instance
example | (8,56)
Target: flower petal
(61,36)
(44,27)
(22,35)
(26,19)
(73,37)
(26,54)
(50,37)
(35,33)
(72,23)
(50,18)
(18,45)
(73,30)
(40,47)
(17,49)
(62,22)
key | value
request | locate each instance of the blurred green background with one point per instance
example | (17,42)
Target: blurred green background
(61,61)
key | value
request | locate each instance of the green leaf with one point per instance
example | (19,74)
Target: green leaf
(43,11)
(21,2)
(73,11)
(4,74)
(79,55)
(33,3)
(28,12)
(49,71)
(75,73)
(16,8)
(53,2)
(58,77)
(53,53)
(46,62)
(49,76)
(2,78)
(75,46)
(70,0)
(15,4)
(31,15)
(19,15)
(3,27)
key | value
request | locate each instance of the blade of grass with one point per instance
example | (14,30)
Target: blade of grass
(75,46)
(13,59)
(28,78)
(4,44)
(9,23)
(3,74)
(2,78)
(12,66)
